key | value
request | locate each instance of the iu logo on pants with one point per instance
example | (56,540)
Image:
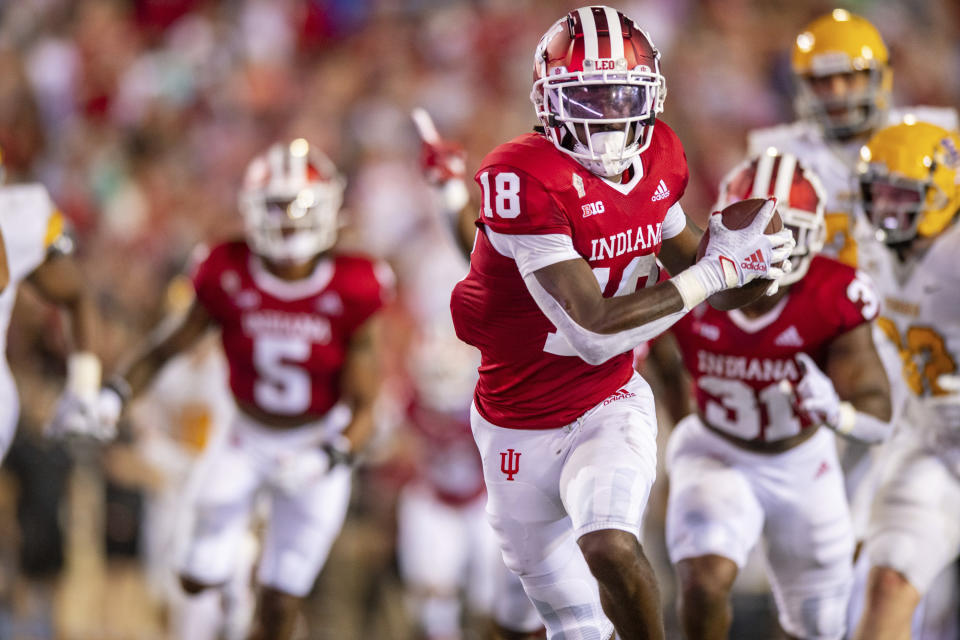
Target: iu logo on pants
(509,463)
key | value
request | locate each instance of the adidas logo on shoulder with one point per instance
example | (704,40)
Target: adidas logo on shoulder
(789,338)
(661,192)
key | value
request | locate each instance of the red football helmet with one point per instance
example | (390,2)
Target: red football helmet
(597,88)
(290,201)
(800,201)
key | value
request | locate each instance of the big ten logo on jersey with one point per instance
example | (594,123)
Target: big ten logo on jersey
(592,208)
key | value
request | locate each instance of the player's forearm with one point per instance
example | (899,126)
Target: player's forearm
(360,430)
(83,322)
(621,313)
(866,417)
(174,336)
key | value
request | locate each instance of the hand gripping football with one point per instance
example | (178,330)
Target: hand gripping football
(737,216)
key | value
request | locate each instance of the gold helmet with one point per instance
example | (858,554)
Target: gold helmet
(910,179)
(842,73)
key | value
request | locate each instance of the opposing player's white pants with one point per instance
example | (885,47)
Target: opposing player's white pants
(446,548)
(723,498)
(307,507)
(9,408)
(914,524)
(547,488)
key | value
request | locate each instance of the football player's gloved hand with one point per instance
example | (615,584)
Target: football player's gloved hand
(442,160)
(300,468)
(75,415)
(729,249)
(725,263)
(110,403)
(815,398)
(78,412)
(444,165)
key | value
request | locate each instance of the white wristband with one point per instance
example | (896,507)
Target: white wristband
(696,284)
(83,374)
(847,419)
(454,195)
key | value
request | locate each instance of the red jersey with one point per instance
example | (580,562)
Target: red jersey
(737,362)
(451,465)
(530,378)
(286,341)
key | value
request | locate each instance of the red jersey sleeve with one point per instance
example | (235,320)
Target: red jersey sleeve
(514,202)
(206,273)
(850,296)
(370,286)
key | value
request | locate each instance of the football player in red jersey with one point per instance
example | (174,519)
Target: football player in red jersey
(752,460)
(563,284)
(298,325)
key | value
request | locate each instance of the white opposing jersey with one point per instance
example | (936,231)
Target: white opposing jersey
(30,223)
(921,310)
(835,164)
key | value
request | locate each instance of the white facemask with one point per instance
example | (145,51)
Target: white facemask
(610,158)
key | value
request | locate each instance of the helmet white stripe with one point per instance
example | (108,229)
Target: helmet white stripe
(761,182)
(275,163)
(298,168)
(616,33)
(590,41)
(788,163)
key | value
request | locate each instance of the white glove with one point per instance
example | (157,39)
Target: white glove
(735,257)
(74,415)
(78,411)
(817,400)
(739,256)
(298,469)
(109,407)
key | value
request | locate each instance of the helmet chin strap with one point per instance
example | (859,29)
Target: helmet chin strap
(608,151)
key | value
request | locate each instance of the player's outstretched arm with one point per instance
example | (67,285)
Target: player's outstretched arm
(599,328)
(59,281)
(361,380)
(853,395)
(444,164)
(173,336)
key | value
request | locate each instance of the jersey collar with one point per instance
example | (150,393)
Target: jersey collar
(753,325)
(291,289)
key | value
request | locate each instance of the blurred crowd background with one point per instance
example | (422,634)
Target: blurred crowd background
(140,115)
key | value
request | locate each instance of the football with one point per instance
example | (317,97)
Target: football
(737,216)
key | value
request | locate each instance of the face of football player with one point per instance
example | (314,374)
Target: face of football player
(893,208)
(844,96)
(601,114)
(293,228)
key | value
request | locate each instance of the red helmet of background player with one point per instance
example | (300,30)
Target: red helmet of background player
(800,201)
(290,202)
(597,88)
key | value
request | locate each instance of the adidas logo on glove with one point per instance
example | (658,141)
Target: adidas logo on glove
(754,262)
